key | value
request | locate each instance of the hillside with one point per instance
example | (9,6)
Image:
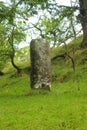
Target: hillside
(64,108)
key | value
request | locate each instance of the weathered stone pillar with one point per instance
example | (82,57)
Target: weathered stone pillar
(40,64)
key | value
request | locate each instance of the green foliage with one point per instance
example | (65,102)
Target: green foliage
(7,43)
(13,23)
(3,47)
(22,55)
(3,11)
(55,22)
(59,26)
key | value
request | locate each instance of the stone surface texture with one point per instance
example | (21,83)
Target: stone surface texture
(40,64)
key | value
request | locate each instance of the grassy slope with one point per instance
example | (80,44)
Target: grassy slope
(65,108)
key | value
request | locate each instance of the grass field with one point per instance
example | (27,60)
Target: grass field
(64,108)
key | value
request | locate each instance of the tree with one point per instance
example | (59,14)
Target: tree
(83,19)
(11,33)
(57,26)
(15,38)
(3,46)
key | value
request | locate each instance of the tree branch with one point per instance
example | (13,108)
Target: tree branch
(59,56)
(64,56)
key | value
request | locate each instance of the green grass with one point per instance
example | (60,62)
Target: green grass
(64,108)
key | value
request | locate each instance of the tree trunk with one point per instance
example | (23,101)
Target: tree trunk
(83,19)
(40,64)
(1,73)
(13,53)
(14,65)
